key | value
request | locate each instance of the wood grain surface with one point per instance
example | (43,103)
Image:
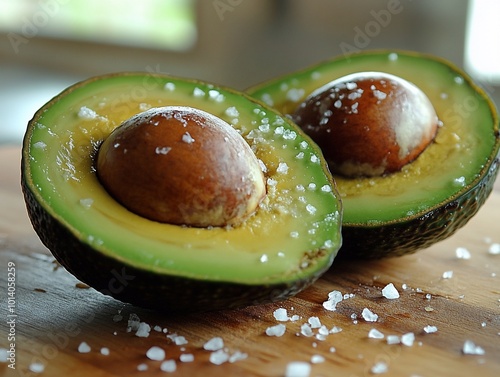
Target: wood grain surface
(55,314)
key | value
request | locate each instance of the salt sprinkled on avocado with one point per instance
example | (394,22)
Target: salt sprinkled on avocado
(86,113)
(170,86)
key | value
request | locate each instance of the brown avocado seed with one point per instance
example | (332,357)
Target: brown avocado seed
(183,166)
(368,123)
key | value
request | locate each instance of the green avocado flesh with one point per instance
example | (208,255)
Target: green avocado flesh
(285,245)
(462,159)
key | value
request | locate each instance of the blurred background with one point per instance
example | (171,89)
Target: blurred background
(47,45)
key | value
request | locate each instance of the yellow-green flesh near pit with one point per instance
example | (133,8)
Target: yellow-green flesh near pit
(294,233)
(455,161)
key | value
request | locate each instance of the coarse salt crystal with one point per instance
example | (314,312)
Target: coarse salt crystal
(219,357)
(282,168)
(306,330)
(447,274)
(334,297)
(379,368)
(462,253)
(277,330)
(197,92)
(37,367)
(314,322)
(430,329)
(390,292)
(470,348)
(105,351)
(143,330)
(186,357)
(83,347)
(168,366)
(375,334)
(155,353)
(298,369)
(142,367)
(295,94)
(86,202)
(281,315)
(214,344)
(86,113)
(369,316)
(393,339)
(237,356)
(187,138)
(408,339)
(494,249)
(317,359)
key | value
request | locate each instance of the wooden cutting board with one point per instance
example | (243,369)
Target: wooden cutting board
(55,314)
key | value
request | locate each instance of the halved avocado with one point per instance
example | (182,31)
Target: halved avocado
(435,195)
(283,247)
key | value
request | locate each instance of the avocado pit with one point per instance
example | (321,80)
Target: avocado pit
(368,123)
(182,166)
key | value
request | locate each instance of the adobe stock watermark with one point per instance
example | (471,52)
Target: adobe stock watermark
(57,341)
(30,26)
(223,6)
(380,19)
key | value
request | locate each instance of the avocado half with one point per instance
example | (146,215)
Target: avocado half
(282,248)
(430,198)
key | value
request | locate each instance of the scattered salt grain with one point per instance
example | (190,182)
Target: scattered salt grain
(237,356)
(298,369)
(317,359)
(186,357)
(105,351)
(408,339)
(335,330)
(295,94)
(282,168)
(314,322)
(133,322)
(4,355)
(430,329)
(390,292)
(219,357)
(494,249)
(334,297)
(281,315)
(462,253)
(83,347)
(447,274)
(180,340)
(187,138)
(278,330)
(86,113)
(37,367)
(306,330)
(470,348)
(155,353)
(142,367)
(168,366)
(157,328)
(393,339)
(379,368)
(143,330)
(369,316)
(86,202)
(214,344)
(375,334)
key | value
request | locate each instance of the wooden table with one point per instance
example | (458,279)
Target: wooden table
(55,313)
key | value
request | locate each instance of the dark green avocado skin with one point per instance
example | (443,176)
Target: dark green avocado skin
(130,284)
(436,225)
